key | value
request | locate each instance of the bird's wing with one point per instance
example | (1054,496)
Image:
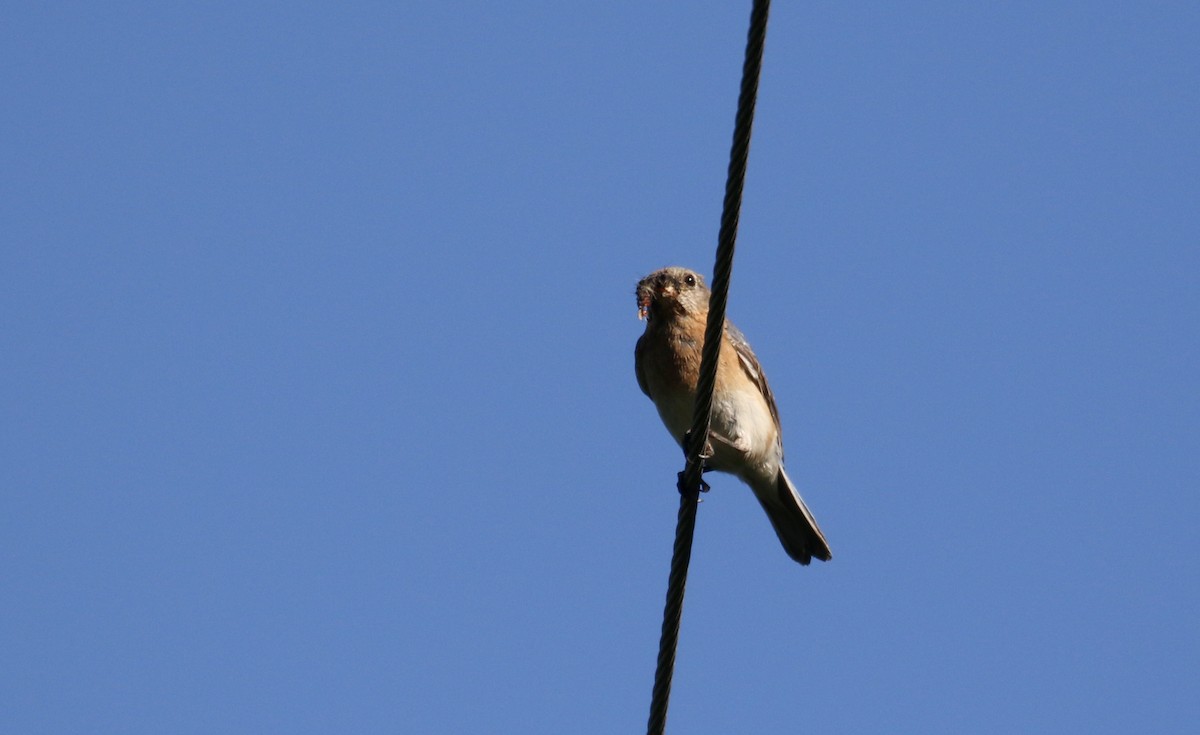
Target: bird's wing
(750,364)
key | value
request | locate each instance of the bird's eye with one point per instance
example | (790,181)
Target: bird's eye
(689,280)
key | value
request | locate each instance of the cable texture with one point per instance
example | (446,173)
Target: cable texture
(691,478)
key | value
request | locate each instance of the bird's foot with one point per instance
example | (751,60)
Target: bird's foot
(705,454)
(681,484)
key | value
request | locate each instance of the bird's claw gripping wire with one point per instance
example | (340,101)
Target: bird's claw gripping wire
(682,484)
(705,455)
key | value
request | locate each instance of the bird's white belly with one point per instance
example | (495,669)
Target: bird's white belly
(744,419)
(741,418)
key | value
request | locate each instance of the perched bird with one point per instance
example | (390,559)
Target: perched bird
(745,436)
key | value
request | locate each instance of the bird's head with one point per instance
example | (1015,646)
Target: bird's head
(671,292)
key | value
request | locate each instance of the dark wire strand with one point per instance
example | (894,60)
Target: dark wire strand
(691,478)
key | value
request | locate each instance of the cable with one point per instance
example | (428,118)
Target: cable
(691,478)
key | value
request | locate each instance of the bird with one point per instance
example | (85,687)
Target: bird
(745,439)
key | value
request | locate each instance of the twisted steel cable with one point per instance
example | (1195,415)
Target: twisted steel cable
(691,478)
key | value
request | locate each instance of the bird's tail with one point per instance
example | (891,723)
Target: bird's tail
(794,523)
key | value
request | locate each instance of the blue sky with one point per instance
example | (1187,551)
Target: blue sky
(317,326)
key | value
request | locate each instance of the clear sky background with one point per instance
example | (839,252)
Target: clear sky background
(316,366)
